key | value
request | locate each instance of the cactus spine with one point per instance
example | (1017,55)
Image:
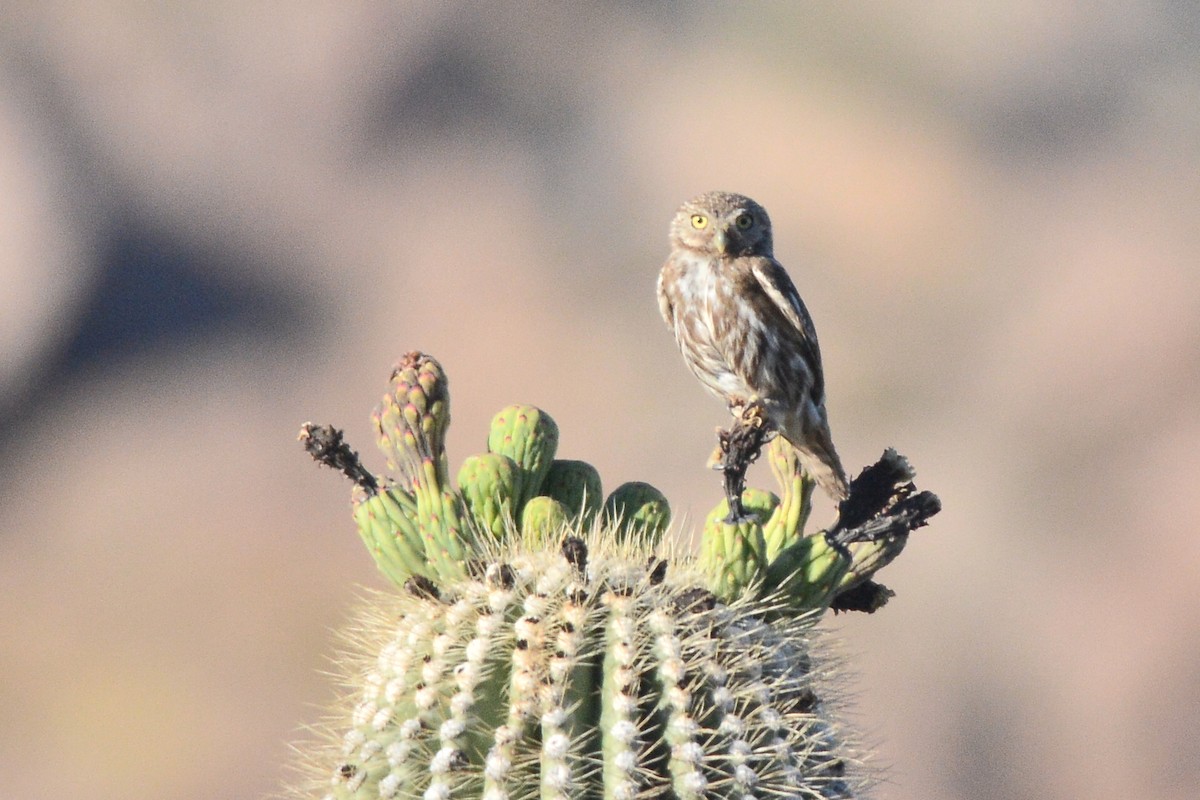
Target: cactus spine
(541,645)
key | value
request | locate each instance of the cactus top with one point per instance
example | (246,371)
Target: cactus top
(586,671)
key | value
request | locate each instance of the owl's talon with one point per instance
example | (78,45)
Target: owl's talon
(753,414)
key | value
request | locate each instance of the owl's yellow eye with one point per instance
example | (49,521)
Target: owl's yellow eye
(744,221)
(699,221)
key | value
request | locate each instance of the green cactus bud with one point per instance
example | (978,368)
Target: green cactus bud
(542,518)
(536,679)
(808,573)
(576,484)
(867,558)
(786,526)
(489,484)
(733,556)
(529,437)
(758,503)
(639,510)
(386,521)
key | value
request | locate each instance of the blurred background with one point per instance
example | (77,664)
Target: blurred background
(219,220)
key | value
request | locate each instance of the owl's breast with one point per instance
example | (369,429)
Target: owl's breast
(706,312)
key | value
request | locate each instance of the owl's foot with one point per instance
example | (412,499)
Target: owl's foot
(753,414)
(738,448)
(750,414)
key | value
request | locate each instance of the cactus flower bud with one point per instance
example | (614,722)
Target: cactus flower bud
(412,418)
(542,518)
(529,436)
(733,555)
(576,484)
(638,509)
(489,484)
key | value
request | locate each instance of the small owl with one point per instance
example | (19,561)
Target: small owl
(742,327)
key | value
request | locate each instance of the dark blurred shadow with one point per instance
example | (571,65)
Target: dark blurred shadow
(154,289)
(156,292)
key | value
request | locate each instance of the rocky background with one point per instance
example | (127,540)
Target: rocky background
(219,220)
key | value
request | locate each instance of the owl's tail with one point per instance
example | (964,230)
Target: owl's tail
(820,460)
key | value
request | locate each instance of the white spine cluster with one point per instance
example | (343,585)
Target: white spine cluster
(682,729)
(528,631)
(618,717)
(558,760)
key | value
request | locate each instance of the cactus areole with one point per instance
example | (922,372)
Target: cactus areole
(545,641)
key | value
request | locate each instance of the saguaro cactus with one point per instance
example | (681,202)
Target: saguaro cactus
(541,645)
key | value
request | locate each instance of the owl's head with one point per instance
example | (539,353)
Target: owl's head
(722,224)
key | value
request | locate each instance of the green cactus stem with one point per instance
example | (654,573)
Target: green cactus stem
(786,526)
(542,517)
(808,572)
(386,522)
(733,556)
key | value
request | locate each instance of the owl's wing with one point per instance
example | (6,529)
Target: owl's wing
(665,307)
(779,287)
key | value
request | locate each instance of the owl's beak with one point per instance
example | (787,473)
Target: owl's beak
(720,240)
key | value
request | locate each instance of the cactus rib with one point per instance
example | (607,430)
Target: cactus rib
(560,685)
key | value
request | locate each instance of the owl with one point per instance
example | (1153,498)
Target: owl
(742,327)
